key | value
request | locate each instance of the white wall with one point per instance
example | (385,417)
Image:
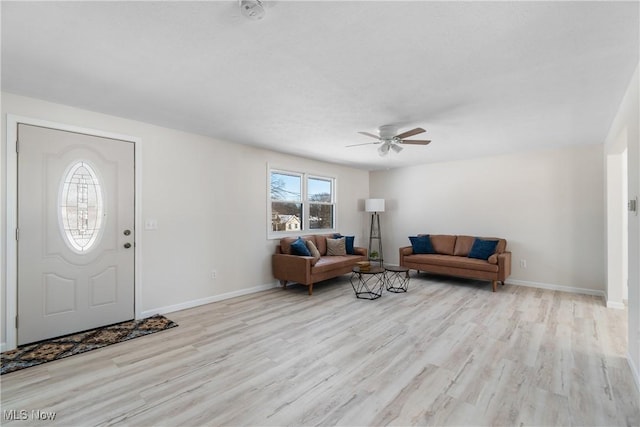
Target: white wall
(627,122)
(209,198)
(547,204)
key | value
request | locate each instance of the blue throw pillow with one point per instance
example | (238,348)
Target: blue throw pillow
(482,249)
(348,242)
(422,245)
(300,248)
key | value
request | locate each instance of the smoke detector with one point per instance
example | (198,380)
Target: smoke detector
(252,9)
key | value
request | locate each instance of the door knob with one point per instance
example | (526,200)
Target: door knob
(127,245)
(127,232)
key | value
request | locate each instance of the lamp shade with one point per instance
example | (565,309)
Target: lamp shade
(374,205)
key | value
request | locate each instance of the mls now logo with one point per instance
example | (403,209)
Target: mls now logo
(23,415)
(43,415)
(15,415)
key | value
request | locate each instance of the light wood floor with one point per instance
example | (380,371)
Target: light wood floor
(448,352)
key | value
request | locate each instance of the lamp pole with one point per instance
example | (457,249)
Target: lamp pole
(375,233)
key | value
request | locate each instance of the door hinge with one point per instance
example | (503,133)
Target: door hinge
(17,145)
(16,321)
(17,234)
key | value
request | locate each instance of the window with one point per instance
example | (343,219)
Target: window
(80,207)
(319,196)
(300,202)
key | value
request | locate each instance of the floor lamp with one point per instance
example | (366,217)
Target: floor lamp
(375,235)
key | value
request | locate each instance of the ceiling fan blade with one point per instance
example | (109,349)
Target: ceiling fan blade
(415,141)
(410,133)
(369,134)
(364,143)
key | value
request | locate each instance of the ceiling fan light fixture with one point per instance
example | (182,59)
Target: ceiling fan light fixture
(384,149)
(388,141)
(252,9)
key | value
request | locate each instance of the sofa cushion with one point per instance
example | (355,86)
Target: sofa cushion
(314,252)
(328,263)
(299,247)
(452,261)
(321,243)
(483,249)
(421,244)
(349,243)
(336,247)
(463,245)
(285,243)
(443,243)
(502,243)
(348,240)
(320,240)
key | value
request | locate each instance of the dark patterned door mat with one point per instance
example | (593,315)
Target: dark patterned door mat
(81,342)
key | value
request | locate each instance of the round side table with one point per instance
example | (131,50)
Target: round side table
(368,284)
(397,278)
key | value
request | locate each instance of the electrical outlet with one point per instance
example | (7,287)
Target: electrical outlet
(523,263)
(214,274)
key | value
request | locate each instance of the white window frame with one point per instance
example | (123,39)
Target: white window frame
(304,200)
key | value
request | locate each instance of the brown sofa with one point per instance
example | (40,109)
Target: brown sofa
(451,258)
(299,269)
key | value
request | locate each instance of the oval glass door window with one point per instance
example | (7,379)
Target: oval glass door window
(81,207)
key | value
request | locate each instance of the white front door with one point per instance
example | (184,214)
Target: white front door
(75,232)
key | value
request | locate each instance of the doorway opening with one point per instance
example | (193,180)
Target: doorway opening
(617,229)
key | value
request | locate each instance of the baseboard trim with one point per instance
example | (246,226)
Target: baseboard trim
(208,300)
(561,288)
(634,371)
(616,305)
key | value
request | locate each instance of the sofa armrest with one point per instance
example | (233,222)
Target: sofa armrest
(292,268)
(504,265)
(406,250)
(360,251)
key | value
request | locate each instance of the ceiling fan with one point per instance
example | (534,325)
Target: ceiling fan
(390,139)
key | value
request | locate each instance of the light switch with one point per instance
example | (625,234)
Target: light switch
(151,224)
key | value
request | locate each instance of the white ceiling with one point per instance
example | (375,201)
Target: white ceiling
(482,77)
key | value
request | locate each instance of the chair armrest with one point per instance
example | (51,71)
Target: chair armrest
(292,268)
